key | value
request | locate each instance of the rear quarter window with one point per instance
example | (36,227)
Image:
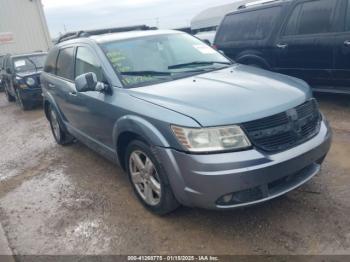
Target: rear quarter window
(250,25)
(65,63)
(314,17)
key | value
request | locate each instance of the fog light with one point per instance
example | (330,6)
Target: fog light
(227,198)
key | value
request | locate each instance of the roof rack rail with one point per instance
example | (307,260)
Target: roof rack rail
(259,2)
(87,33)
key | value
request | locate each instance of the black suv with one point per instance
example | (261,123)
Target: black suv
(21,78)
(308,39)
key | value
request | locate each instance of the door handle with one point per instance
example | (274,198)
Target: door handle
(282,46)
(73,93)
(51,85)
(347,43)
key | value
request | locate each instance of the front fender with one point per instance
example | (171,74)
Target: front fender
(140,127)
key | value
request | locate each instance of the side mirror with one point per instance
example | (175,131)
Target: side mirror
(86,82)
(8,70)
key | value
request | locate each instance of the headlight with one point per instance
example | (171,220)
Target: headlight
(211,139)
(30,81)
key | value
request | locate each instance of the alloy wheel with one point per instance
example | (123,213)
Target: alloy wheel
(145,177)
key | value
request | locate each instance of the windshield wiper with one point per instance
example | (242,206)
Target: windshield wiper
(204,63)
(144,73)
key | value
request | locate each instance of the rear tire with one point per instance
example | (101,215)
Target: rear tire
(61,136)
(148,179)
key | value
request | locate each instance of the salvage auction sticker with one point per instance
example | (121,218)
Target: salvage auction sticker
(204,49)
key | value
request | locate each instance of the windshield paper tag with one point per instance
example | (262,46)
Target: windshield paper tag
(20,63)
(204,49)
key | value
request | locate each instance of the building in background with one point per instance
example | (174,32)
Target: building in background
(23,27)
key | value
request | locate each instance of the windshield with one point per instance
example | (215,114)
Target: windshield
(29,63)
(160,58)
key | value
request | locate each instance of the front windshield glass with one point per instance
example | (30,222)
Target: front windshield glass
(29,63)
(160,58)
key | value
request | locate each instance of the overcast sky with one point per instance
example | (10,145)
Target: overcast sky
(74,15)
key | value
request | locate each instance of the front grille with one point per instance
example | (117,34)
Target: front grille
(285,130)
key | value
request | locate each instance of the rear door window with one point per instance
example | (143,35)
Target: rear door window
(65,63)
(313,17)
(251,25)
(86,62)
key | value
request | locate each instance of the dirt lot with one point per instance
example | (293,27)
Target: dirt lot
(69,200)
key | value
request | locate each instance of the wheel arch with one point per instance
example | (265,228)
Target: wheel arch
(130,128)
(49,101)
(253,58)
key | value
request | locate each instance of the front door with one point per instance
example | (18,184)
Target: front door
(305,48)
(90,111)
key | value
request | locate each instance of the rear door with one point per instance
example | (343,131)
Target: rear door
(62,86)
(342,52)
(247,32)
(305,48)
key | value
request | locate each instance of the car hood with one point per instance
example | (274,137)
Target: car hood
(229,96)
(28,73)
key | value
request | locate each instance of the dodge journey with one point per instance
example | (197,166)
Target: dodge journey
(188,125)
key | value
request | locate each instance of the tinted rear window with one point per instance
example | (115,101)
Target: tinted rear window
(311,18)
(252,25)
(65,63)
(50,64)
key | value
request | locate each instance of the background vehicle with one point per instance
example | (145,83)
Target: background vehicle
(186,124)
(1,68)
(308,39)
(21,78)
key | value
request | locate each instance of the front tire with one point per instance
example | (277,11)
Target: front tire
(149,180)
(9,97)
(24,105)
(61,136)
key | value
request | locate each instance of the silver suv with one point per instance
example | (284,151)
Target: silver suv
(187,124)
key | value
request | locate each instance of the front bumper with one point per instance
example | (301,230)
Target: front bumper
(31,95)
(251,176)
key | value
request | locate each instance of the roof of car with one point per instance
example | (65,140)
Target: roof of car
(131,34)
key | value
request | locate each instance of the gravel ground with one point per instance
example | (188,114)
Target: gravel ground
(69,200)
